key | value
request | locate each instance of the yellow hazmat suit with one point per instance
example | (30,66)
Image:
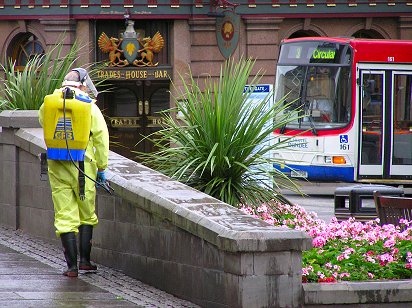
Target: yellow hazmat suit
(70,211)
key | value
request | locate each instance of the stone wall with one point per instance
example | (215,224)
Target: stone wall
(159,230)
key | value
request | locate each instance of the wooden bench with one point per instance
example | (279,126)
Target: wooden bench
(391,209)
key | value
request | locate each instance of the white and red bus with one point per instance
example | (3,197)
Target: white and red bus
(352,109)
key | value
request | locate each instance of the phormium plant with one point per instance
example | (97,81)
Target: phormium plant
(217,139)
(43,73)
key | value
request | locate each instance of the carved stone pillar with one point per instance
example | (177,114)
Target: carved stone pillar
(180,45)
(405,28)
(59,31)
(262,43)
(204,54)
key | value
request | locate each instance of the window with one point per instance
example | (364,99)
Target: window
(23,47)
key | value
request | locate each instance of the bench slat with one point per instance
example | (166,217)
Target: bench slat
(391,209)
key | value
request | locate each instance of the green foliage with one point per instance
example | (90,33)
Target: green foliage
(348,250)
(43,74)
(216,133)
(356,263)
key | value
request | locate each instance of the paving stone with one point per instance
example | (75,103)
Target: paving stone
(66,304)
(31,276)
(8,296)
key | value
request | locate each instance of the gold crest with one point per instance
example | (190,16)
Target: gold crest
(111,46)
(143,57)
(150,46)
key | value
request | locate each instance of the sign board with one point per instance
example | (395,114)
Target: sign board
(148,73)
(260,92)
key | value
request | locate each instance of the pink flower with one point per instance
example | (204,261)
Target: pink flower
(340,257)
(370,259)
(385,259)
(307,270)
(319,241)
(262,209)
(343,275)
(349,251)
(327,237)
(389,243)
(405,221)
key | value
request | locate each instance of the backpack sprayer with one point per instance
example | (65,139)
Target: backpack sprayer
(67,129)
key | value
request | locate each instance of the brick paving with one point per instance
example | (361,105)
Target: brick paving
(31,276)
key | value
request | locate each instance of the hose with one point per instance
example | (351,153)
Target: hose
(105,186)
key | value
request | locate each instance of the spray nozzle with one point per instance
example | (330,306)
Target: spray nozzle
(68,93)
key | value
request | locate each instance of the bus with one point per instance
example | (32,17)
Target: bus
(349,101)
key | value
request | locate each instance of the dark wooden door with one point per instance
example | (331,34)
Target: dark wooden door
(132,111)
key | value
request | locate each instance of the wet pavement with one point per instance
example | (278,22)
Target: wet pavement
(322,205)
(31,276)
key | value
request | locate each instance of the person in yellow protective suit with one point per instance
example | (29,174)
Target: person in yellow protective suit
(74,214)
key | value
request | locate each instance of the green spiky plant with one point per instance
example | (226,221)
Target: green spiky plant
(43,73)
(217,139)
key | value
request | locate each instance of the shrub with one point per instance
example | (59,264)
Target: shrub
(43,73)
(221,141)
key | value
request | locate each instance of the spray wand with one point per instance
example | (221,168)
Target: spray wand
(67,93)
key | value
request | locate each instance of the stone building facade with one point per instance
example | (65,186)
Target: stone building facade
(191,40)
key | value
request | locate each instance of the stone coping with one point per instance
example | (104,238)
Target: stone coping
(220,224)
(208,218)
(382,291)
(19,119)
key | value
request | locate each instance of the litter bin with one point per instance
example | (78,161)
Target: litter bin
(357,201)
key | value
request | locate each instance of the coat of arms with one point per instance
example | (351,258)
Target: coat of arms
(130,48)
(227,33)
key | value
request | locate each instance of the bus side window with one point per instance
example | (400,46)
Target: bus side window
(367,88)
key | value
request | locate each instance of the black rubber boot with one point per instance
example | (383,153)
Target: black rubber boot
(70,253)
(85,247)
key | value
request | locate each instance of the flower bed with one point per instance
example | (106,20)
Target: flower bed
(348,250)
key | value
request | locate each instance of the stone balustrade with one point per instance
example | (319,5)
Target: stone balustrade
(158,230)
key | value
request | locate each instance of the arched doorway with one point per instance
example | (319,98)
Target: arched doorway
(133,113)
(303,33)
(368,34)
